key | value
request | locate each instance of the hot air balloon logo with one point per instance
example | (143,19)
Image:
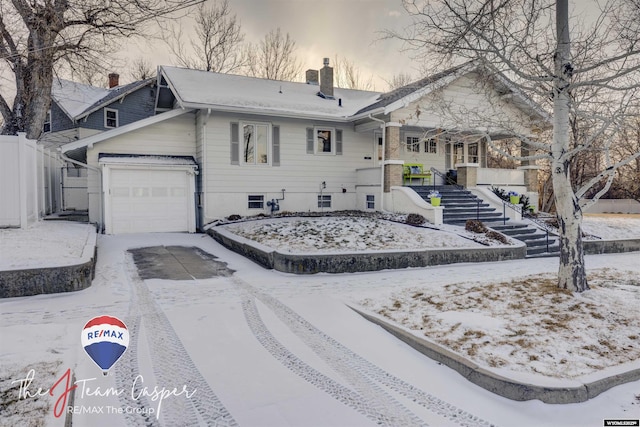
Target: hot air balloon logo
(105,339)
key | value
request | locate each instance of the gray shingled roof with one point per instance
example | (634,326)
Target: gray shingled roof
(389,98)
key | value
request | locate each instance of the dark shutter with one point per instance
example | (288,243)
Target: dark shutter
(235,144)
(339,142)
(309,140)
(275,146)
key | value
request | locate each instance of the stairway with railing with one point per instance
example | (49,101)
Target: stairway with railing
(461,205)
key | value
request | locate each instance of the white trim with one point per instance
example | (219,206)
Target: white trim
(106,119)
(191,188)
(393,162)
(317,129)
(241,126)
(89,141)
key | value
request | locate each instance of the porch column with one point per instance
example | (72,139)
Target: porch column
(530,170)
(468,175)
(392,163)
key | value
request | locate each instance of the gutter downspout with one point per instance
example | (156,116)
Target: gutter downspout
(383,125)
(95,169)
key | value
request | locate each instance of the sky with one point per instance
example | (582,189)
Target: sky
(350,29)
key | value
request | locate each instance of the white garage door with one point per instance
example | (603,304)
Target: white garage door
(145,201)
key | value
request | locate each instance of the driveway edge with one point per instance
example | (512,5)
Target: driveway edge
(500,385)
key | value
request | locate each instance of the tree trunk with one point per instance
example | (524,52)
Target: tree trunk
(571,274)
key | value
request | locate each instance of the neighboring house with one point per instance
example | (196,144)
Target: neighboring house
(78,111)
(224,144)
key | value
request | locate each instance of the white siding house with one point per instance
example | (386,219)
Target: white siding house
(224,144)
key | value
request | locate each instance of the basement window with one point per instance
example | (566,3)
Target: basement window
(255,201)
(324,201)
(110,118)
(371,201)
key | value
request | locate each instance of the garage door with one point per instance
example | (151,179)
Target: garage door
(145,201)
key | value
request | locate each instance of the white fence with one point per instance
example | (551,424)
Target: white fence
(29,181)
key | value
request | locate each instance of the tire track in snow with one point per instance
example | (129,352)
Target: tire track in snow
(376,412)
(342,358)
(172,367)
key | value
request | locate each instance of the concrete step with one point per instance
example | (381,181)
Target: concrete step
(539,242)
(487,222)
(542,251)
(514,232)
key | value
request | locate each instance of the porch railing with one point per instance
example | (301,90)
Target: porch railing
(446,179)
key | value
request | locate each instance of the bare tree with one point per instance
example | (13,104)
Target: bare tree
(530,41)
(38,36)
(141,69)
(274,58)
(217,43)
(347,75)
(399,80)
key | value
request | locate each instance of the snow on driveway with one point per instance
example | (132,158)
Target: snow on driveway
(265,348)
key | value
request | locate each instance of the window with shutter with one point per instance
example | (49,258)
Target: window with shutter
(309,140)
(324,141)
(235,144)
(275,146)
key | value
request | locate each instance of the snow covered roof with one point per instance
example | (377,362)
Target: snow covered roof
(145,159)
(387,99)
(78,100)
(201,89)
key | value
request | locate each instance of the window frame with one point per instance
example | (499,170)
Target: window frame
(106,118)
(259,199)
(323,199)
(414,146)
(47,121)
(430,143)
(333,142)
(370,201)
(269,146)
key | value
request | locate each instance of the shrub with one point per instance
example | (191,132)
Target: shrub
(494,235)
(415,219)
(475,226)
(234,217)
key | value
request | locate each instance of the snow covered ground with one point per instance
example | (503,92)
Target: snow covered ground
(612,226)
(263,348)
(43,244)
(349,233)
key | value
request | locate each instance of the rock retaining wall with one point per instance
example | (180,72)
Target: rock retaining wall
(49,280)
(364,261)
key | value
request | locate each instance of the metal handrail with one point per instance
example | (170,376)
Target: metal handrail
(444,179)
(540,224)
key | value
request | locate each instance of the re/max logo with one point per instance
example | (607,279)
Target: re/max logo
(105,333)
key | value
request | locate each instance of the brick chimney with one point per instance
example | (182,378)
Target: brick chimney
(312,77)
(114,80)
(326,79)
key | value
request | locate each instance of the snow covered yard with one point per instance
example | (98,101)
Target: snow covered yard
(43,244)
(612,226)
(234,329)
(346,233)
(527,325)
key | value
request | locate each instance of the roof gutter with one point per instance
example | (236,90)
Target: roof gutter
(63,156)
